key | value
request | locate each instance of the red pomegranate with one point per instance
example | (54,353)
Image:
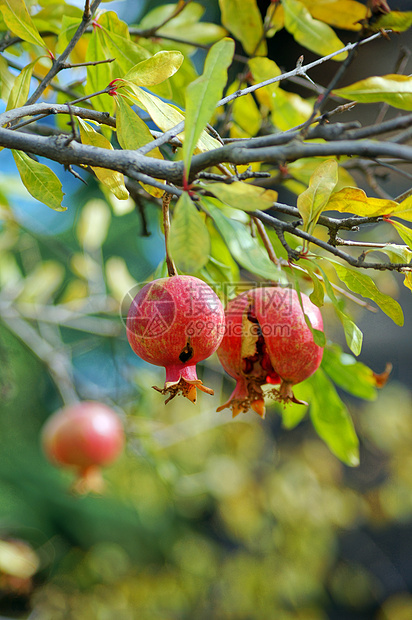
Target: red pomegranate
(176,322)
(268,341)
(86,436)
(244,357)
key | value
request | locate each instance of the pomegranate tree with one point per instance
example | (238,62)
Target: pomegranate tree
(176,322)
(84,436)
(267,341)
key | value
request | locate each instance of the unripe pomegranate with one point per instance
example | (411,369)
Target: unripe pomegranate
(85,436)
(268,341)
(176,322)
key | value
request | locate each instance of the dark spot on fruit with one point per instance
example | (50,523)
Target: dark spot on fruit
(186,353)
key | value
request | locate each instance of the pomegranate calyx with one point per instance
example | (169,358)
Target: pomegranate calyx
(285,394)
(89,480)
(241,401)
(186,387)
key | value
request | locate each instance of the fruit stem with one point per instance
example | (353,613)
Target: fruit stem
(171,267)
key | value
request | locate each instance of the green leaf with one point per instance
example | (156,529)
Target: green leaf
(189,241)
(20,91)
(317,296)
(349,374)
(331,420)
(243,247)
(393,89)
(311,33)
(353,334)
(98,76)
(292,414)
(156,69)
(318,335)
(18,19)
(132,131)
(243,19)
(244,196)
(313,200)
(363,284)
(354,200)
(40,181)
(110,178)
(203,94)
(68,27)
(117,39)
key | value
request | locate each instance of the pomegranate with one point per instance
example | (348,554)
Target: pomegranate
(176,322)
(267,341)
(245,358)
(85,436)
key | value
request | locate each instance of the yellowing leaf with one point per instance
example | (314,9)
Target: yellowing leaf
(408,280)
(263,69)
(393,89)
(344,14)
(155,69)
(354,200)
(189,241)
(243,19)
(362,284)
(167,116)
(20,91)
(313,200)
(404,209)
(404,232)
(40,181)
(203,94)
(275,17)
(132,133)
(243,195)
(399,21)
(311,33)
(111,178)
(18,19)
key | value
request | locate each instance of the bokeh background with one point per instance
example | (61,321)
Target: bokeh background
(203,516)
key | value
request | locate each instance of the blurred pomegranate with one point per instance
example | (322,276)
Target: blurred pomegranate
(85,436)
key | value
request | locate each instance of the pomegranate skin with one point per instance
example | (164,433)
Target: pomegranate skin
(267,341)
(289,341)
(176,322)
(86,436)
(245,358)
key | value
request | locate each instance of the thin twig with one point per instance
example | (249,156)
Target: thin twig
(266,241)
(89,11)
(171,267)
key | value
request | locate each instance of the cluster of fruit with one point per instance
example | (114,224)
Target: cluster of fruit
(261,338)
